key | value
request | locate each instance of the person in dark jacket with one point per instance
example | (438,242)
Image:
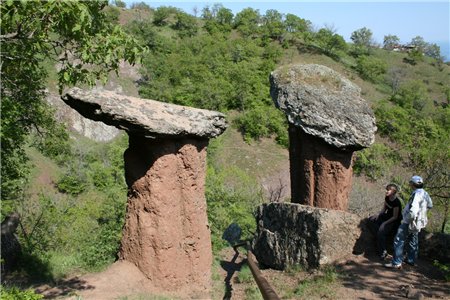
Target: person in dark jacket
(386,222)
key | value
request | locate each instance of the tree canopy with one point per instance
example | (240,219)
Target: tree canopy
(74,35)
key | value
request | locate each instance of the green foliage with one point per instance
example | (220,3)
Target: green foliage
(245,275)
(390,41)
(263,121)
(374,161)
(230,203)
(246,21)
(329,42)
(75,34)
(14,293)
(162,15)
(370,68)
(320,285)
(445,268)
(362,41)
(108,234)
(185,24)
(72,182)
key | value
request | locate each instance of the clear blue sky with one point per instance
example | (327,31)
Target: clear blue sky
(405,19)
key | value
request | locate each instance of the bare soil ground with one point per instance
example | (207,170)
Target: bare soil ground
(359,277)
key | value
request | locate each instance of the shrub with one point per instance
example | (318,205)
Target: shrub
(370,68)
(263,121)
(229,204)
(374,161)
(13,293)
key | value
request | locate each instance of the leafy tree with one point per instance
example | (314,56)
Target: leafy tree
(414,56)
(162,14)
(140,6)
(185,24)
(390,41)
(220,19)
(412,95)
(419,43)
(77,35)
(295,24)
(433,51)
(120,3)
(247,21)
(362,39)
(273,26)
(329,42)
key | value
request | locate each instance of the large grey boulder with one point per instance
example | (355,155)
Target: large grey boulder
(292,234)
(324,104)
(143,116)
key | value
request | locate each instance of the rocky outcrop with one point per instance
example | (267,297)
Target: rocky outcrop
(97,131)
(166,233)
(292,234)
(328,120)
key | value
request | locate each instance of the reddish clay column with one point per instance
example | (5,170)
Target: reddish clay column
(166,233)
(321,175)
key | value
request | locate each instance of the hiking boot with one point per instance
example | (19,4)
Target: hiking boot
(383,255)
(392,266)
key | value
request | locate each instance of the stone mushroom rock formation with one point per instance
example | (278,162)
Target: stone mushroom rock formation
(166,232)
(328,120)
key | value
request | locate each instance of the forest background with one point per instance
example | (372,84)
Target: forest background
(218,61)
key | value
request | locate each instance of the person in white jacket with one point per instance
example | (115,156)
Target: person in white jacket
(414,219)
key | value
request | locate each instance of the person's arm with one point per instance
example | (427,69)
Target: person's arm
(415,206)
(395,213)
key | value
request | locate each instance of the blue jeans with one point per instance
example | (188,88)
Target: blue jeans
(404,235)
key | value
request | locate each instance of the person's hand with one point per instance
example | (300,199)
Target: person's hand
(373,218)
(382,226)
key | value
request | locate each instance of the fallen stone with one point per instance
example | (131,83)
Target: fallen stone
(291,234)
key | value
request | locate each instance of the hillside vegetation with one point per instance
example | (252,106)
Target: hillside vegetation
(73,203)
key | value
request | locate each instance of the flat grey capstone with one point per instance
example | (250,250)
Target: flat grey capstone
(324,104)
(144,116)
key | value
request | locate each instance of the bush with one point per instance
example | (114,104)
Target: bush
(13,293)
(374,161)
(370,68)
(263,121)
(229,204)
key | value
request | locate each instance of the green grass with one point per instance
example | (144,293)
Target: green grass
(319,286)
(245,275)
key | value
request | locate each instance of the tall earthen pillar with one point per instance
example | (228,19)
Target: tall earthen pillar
(321,174)
(328,121)
(166,233)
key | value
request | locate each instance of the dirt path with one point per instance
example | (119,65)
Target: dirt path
(360,277)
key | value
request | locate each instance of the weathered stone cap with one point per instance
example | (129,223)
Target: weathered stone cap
(143,116)
(324,104)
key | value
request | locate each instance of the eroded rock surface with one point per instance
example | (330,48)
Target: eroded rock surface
(166,232)
(328,120)
(324,104)
(146,117)
(292,234)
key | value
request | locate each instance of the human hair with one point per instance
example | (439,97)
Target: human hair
(392,186)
